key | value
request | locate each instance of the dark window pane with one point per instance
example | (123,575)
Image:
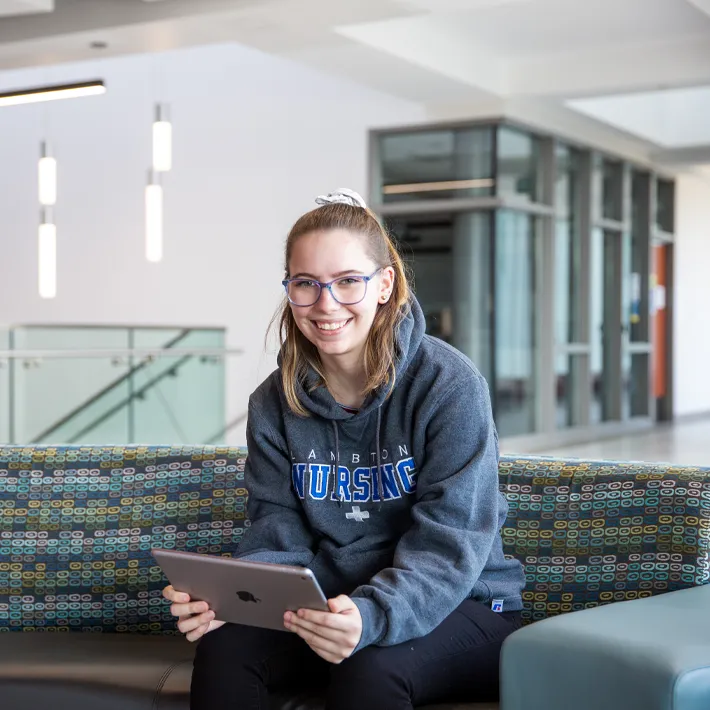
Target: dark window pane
(518,164)
(437,165)
(665,205)
(612,189)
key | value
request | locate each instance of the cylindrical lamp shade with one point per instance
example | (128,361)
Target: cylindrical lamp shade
(154,222)
(47,260)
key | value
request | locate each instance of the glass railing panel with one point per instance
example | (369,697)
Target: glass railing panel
(180,399)
(47,389)
(103,416)
(5,433)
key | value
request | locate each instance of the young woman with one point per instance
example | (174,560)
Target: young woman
(373,460)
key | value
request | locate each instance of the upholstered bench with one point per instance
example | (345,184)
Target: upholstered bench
(83,624)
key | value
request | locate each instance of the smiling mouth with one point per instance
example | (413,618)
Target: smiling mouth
(331,326)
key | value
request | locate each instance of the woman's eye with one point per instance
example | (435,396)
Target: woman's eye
(305,284)
(349,281)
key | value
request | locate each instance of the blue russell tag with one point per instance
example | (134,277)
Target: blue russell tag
(497,605)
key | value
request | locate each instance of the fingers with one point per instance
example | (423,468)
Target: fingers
(203,629)
(340,604)
(322,618)
(330,650)
(328,632)
(197,633)
(190,623)
(173,595)
(189,609)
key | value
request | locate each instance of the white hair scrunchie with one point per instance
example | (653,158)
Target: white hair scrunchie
(344,196)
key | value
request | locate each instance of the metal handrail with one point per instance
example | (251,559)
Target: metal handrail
(127,352)
(137,394)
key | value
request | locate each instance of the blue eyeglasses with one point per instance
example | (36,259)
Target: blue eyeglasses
(347,290)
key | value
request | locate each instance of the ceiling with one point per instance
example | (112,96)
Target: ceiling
(24,7)
(639,66)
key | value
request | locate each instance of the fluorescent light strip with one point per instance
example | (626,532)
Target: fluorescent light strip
(52,93)
(434,186)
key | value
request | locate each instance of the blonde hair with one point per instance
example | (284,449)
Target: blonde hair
(298,354)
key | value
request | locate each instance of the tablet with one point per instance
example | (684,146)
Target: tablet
(241,592)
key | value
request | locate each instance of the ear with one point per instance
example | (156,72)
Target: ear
(386,285)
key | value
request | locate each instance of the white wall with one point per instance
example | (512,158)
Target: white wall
(256,139)
(692,292)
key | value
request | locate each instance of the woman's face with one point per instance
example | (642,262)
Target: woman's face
(337,329)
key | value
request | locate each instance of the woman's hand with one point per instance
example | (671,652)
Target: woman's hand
(195,619)
(333,634)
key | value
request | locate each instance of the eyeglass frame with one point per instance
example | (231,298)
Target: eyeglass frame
(329,285)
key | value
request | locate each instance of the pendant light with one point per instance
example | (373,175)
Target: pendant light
(47,174)
(154,218)
(47,255)
(162,139)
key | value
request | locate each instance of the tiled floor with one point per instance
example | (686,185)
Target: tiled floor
(685,443)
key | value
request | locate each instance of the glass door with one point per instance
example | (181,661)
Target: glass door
(450,258)
(475,276)
(606,339)
(516,309)
(637,342)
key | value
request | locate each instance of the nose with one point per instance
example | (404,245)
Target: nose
(326,303)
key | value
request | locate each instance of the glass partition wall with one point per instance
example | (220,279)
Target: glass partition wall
(546,263)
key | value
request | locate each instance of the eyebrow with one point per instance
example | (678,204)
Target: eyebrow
(354,272)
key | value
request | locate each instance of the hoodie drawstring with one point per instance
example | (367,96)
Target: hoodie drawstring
(337,464)
(380,489)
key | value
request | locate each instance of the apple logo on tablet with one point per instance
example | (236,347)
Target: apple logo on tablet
(248,597)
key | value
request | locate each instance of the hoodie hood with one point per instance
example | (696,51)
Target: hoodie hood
(409,336)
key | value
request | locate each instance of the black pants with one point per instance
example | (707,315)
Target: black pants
(236,666)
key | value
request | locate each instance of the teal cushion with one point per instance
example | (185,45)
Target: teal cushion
(647,654)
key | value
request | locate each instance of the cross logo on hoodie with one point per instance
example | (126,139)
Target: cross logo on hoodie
(358,515)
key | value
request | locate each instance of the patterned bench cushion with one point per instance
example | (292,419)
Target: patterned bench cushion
(590,533)
(77,525)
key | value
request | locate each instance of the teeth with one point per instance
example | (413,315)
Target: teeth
(331,326)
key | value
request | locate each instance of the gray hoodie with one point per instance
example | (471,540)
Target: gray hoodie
(409,526)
